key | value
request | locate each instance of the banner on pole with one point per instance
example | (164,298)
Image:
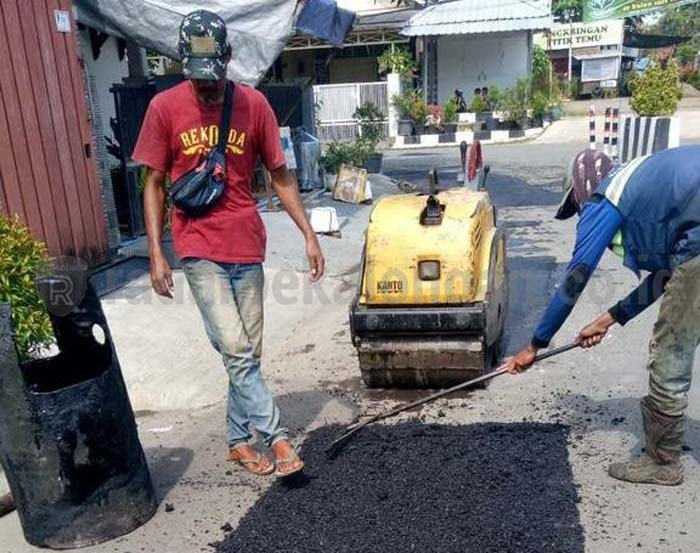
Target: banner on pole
(594,10)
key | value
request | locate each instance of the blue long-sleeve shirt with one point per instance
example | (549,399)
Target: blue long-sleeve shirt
(599,222)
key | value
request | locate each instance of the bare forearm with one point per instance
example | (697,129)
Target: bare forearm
(154,210)
(288,193)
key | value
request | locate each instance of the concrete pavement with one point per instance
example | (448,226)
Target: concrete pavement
(177,383)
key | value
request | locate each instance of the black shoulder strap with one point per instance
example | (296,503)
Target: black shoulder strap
(225,124)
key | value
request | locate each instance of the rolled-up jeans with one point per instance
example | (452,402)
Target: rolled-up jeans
(230,299)
(675,340)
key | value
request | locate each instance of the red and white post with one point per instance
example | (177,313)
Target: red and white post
(591,128)
(615,132)
(606,131)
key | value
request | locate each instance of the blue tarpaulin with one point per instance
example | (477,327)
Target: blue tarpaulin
(325,20)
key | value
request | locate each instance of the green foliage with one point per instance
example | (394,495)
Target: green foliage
(515,101)
(22,259)
(656,91)
(478,105)
(396,60)
(371,120)
(690,76)
(541,69)
(348,153)
(686,54)
(574,88)
(410,105)
(568,8)
(419,109)
(539,104)
(450,111)
(493,97)
(338,153)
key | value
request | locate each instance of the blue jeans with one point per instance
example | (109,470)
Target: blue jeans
(230,299)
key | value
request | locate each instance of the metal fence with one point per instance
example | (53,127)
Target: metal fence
(335,105)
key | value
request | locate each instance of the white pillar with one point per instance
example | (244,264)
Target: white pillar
(393,87)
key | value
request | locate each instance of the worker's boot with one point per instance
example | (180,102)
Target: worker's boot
(660,463)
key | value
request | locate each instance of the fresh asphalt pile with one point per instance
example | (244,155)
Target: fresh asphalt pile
(414,487)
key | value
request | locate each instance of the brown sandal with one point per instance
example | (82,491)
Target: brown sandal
(260,465)
(291,458)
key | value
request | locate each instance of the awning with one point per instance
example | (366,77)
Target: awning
(394,19)
(639,40)
(258,30)
(466,17)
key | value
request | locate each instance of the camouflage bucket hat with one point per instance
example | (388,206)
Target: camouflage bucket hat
(203,46)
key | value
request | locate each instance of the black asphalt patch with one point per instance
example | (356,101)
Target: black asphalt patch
(425,488)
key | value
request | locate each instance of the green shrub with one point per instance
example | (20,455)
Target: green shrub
(22,259)
(410,105)
(493,97)
(371,120)
(450,111)
(541,70)
(396,60)
(478,105)
(686,54)
(539,104)
(419,109)
(515,102)
(656,91)
(336,154)
(690,76)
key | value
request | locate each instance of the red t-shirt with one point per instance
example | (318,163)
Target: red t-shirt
(178,131)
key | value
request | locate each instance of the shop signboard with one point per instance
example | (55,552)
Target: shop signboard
(580,35)
(595,10)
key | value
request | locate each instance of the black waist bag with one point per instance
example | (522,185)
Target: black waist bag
(200,189)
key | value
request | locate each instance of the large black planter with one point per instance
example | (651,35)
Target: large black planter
(450,128)
(373,164)
(405,127)
(68,440)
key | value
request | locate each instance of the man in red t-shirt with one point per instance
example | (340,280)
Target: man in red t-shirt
(222,251)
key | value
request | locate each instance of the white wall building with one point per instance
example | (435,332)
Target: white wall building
(470,44)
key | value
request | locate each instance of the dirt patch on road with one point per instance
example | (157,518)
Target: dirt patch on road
(412,487)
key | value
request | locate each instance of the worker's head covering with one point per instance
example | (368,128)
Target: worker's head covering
(203,46)
(585,172)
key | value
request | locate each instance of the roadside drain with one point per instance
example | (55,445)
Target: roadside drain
(413,487)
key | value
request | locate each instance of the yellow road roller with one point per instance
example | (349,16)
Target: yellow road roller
(432,296)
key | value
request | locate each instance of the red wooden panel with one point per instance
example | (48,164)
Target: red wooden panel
(52,182)
(45,175)
(16,136)
(96,211)
(36,175)
(45,26)
(70,110)
(12,196)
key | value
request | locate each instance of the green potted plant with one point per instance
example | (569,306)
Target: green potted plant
(515,103)
(22,259)
(371,120)
(337,153)
(396,60)
(538,105)
(418,111)
(450,116)
(404,105)
(478,105)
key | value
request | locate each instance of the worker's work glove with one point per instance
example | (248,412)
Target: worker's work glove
(521,361)
(593,333)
